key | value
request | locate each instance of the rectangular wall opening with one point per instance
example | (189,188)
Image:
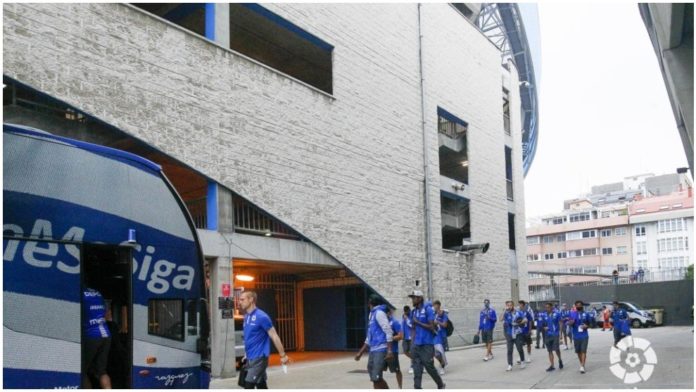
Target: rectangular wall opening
(266,37)
(508,173)
(452,137)
(511,231)
(190,16)
(506,111)
(456,226)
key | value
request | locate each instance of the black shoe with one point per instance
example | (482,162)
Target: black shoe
(442,387)
(560,364)
(550,369)
(537,347)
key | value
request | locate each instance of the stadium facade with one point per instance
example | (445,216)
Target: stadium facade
(326,151)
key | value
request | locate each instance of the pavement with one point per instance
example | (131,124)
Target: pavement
(673,346)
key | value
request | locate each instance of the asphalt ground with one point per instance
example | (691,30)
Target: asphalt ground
(674,367)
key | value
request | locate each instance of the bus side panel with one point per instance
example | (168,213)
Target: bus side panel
(39,379)
(188,378)
(164,266)
(41,328)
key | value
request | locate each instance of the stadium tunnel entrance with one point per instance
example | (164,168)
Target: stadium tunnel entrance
(314,308)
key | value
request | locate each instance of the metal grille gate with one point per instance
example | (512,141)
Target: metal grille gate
(284,287)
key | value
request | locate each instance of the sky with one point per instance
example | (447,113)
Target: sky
(604,113)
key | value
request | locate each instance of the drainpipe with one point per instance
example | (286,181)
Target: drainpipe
(426,167)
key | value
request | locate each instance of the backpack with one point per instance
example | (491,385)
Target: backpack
(450,328)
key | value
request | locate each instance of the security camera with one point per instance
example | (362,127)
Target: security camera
(475,248)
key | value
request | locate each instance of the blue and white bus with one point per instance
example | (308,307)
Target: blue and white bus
(76,212)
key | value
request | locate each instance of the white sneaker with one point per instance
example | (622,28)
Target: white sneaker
(509,368)
(523,365)
(485,359)
(442,371)
(490,357)
(528,360)
(410,370)
(582,369)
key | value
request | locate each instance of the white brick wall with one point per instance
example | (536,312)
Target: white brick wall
(345,171)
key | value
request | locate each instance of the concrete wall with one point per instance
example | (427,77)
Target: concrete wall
(345,170)
(676,297)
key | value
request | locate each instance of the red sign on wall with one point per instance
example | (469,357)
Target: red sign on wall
(225,289)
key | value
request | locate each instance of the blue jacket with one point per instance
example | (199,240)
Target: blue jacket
(406,325)
(551,322)
(508,318)
(95,323)
(540,321)
(487,319)
(529,315)
(565,316)
(619,317)
(423,336)
(578,318)
(441,335)
(517,326)
(376,337)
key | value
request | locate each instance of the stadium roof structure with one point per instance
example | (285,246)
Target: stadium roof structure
(502,24)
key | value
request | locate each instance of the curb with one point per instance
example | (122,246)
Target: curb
(480,345)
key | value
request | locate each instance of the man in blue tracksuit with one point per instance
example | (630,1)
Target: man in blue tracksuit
(378,341)
(97,339)
(580,321)
(441,319)
(621,323)
(551,325)
(527,328)
(487,319)
(393,364)
(259,332)
(565,327)
(540,320)
(406,326)
(512,331)
(423,334)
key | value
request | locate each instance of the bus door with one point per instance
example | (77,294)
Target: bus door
(108,269)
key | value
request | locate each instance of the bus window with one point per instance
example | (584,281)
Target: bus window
(166,318)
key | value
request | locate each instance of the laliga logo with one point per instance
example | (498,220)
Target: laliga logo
(626,360)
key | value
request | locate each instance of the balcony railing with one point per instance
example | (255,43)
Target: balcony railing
(539,292)
(249,219)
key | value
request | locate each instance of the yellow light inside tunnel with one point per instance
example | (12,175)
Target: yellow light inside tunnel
(245,278)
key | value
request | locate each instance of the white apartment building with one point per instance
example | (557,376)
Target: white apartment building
(662,228)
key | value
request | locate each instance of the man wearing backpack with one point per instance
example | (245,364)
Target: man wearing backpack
(378,342)
(441,321)
(393,364)
(423,319)
(487,320)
